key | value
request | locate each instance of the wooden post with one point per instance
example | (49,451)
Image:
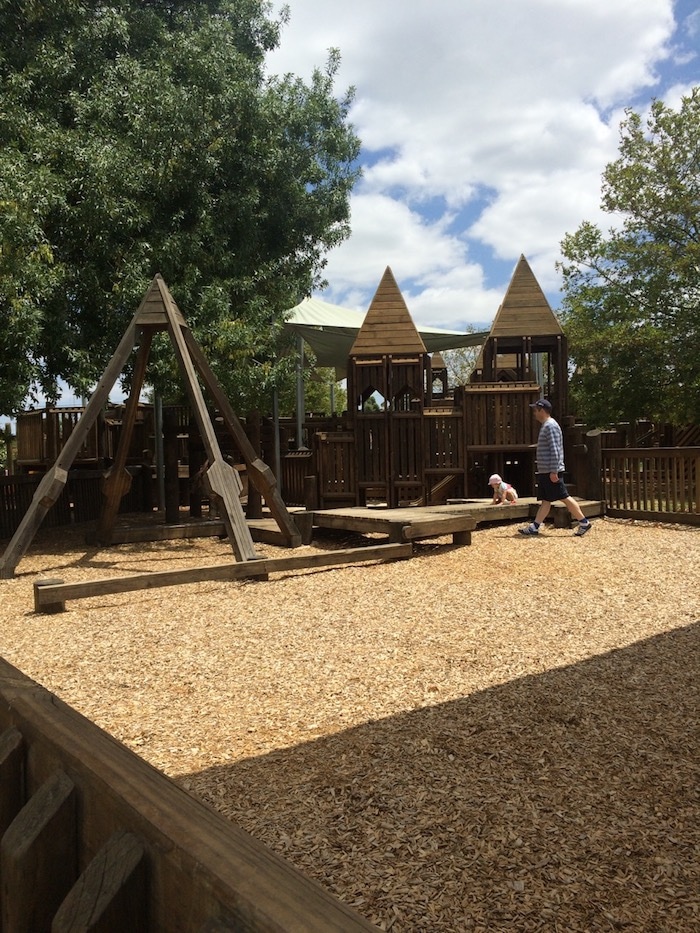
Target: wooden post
(171,466)
(195,459)
(254,431)
(594,462)
(223,480)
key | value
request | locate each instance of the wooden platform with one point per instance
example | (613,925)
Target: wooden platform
(458,518)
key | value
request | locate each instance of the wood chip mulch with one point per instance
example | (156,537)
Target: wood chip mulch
(502,737)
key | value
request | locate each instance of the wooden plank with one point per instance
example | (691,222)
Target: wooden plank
(203,529)
(435,528)
(110,895)
(11,784)
(38,857)
(53,594)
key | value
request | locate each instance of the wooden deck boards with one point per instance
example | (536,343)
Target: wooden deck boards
(411,523)
(417,522)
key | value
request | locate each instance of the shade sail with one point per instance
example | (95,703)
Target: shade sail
(330,331)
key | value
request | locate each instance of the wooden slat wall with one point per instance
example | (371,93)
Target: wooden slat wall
(498,414)
(336,465)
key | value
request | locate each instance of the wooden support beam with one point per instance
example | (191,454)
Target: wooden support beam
(223,479)
(38,857)
(117,481)
(259,473)
(54,594)
(110,895)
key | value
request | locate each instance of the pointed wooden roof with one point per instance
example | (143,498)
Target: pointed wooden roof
(525,312)
(158,307)
(388,326)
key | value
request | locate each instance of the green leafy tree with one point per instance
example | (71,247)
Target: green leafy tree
(140,136)
(461,361)
(631,297)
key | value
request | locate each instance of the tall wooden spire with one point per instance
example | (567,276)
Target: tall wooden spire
(388,326)
(525,312)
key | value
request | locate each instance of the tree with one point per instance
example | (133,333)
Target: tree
(631,298)
(144,136)
(461,361)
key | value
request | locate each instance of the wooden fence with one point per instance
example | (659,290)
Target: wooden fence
(94,838)
(652,483)
(80,501)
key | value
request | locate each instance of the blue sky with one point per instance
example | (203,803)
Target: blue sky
(486,127)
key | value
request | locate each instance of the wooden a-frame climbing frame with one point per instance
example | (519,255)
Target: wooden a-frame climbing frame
(157,312)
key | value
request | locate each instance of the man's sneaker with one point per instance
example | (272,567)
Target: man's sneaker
(530,530)
(582,529)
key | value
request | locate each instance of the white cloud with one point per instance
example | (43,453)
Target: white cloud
(485,129)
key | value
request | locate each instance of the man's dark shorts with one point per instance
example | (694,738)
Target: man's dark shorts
(548,491)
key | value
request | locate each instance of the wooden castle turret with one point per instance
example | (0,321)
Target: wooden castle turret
(389,360)
(526,342)
(388,357)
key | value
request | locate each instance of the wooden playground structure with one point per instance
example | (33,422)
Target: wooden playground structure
(415,447)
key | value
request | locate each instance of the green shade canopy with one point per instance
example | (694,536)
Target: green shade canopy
(330,331)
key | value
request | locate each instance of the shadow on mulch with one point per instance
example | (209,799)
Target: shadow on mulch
(564,801)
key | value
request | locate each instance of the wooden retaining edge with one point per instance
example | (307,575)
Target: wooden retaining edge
(96,838)
(50,595)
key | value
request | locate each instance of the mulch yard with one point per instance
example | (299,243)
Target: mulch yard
(502,737)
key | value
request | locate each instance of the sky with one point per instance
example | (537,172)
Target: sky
(485,126)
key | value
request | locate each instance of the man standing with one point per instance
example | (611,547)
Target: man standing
(550,468)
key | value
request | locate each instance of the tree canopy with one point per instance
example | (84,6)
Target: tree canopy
(631,297)
(145,136)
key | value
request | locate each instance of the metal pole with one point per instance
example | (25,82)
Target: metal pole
(276,439)
(160,453)
(301,403)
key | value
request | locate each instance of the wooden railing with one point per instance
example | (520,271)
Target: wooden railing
(660,483)
(94,838)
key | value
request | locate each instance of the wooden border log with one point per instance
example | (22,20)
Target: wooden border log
(49,595)
(203,871)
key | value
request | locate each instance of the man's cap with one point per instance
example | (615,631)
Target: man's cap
(541,403)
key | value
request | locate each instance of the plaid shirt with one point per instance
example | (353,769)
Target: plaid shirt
(550,448)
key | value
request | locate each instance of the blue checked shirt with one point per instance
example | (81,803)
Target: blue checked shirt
(550,448)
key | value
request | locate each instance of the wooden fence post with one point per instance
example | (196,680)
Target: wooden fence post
(594,460)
